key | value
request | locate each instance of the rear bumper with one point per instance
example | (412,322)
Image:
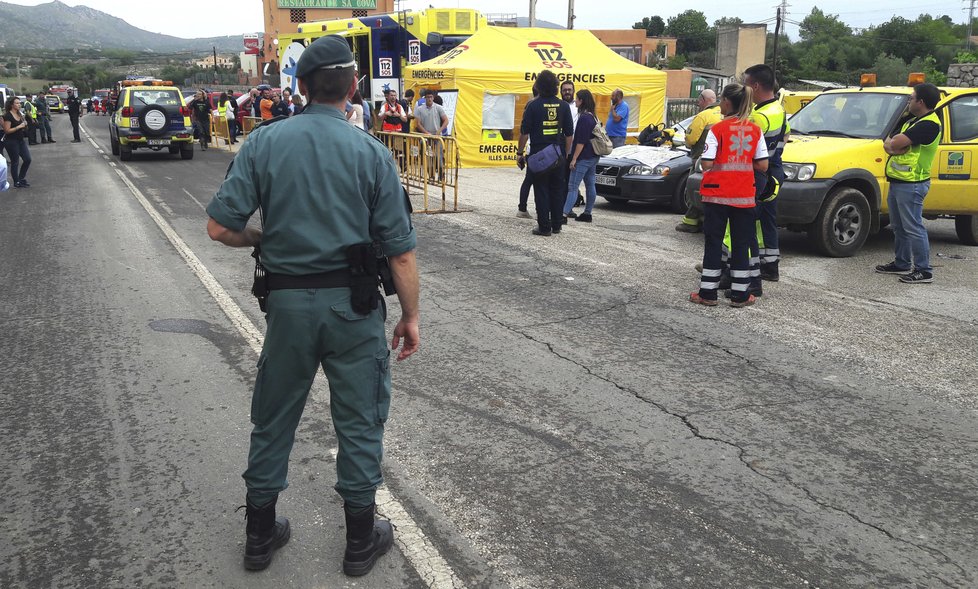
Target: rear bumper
(185,135)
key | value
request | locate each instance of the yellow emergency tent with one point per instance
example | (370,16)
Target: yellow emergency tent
(488,80)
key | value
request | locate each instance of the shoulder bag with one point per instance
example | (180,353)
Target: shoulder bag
(546,160)
(600,142)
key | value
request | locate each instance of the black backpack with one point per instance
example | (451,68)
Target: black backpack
(652,135)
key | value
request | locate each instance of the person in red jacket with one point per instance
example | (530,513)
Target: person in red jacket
(735,149)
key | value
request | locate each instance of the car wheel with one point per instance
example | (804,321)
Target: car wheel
(125,153)
(967,228)
(187,153)
(843,224)
(680,204)
(115,146)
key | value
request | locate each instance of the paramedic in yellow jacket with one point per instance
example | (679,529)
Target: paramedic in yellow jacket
(708,116)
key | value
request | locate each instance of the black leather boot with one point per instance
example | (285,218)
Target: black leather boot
(367,539)
(770,272)
(266,534)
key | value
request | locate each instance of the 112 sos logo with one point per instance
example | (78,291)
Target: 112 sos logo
(551,54)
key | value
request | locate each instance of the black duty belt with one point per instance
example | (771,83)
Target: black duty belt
(334,279)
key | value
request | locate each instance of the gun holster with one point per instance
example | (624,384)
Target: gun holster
(260,286)
(364,271)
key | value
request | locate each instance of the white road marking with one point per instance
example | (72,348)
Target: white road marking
(412,541)
(194,198)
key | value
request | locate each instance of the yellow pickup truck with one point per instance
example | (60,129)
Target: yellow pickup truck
(835,187)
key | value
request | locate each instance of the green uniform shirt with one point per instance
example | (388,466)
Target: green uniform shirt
(324,185)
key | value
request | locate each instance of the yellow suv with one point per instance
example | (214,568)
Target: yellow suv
(835,186)
(54,103)
(151,114)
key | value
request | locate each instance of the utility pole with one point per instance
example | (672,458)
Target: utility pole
(777,37)
(20,87)
(971,20)
(533,13)
(571,17)
(215,63)
(778,25)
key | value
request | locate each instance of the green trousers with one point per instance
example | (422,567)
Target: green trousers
(308,329)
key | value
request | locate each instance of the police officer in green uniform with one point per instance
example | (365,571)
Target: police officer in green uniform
(321,210)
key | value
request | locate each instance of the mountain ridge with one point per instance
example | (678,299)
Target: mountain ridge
(85,28)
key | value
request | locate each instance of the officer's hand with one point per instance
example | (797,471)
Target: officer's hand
(412,338)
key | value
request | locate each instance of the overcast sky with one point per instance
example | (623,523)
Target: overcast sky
(211,18)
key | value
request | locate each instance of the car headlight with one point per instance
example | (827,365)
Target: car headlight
(643,170)
(799,172)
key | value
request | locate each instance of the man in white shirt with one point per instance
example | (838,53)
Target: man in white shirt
(567,95)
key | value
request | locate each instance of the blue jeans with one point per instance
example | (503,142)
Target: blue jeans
(617,141)
(583,170)
(906,203)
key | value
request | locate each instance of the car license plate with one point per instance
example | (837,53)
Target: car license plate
(157,142)
(606,180)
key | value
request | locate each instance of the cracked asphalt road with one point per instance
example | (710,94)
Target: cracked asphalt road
(571,420)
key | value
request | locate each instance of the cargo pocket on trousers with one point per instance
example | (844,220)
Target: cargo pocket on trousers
(383,386)
(259,402)
(345,310)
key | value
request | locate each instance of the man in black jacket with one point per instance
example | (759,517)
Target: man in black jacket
(74,113)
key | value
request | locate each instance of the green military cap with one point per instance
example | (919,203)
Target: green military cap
(329,52)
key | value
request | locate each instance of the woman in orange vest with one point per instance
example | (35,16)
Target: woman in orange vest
(735,148)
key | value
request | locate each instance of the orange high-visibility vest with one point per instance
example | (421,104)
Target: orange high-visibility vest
(731,179)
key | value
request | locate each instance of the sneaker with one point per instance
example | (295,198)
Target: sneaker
(687,228)
(571,215)
(917,277)
(891,268)
(584,218)
(25,184)
(541,232)
(750,300)
(695,297)
(523,214)
(754,292)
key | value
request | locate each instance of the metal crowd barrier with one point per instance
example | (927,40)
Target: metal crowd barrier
(220,130)
(248,123)
(427,162)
